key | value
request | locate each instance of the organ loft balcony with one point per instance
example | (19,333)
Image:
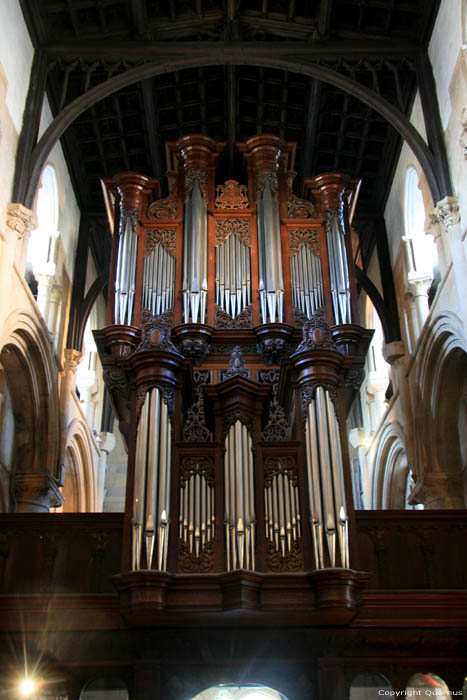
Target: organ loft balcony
(232,352)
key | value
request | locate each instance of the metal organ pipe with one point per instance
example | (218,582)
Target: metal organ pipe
(152,482)
(195,285)
(240,516)
(271,284)
(158,281)
(306,281)
(326,480)
(233,291)
(125,275)
(281,512)
(338,267)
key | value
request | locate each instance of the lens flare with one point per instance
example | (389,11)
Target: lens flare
(27,687)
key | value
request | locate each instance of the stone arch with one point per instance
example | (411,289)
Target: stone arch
(30,387)
(391,469)
(224,55)
(441,417)
(79,487)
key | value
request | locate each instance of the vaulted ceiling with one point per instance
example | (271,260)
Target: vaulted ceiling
(374,42)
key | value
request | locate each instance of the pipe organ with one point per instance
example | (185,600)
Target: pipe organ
(232,352)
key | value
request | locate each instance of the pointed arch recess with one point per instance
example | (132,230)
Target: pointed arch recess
(231,56)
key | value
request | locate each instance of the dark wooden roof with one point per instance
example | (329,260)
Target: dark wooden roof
(374,42)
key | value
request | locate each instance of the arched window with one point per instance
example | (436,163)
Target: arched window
(421,249)
(41,243)
(428,685)
(421,258)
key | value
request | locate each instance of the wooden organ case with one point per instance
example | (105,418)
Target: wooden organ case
(232,352)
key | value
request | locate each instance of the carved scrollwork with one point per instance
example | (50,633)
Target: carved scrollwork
(128,213)
(236,366)
(155,331)
(308,393)
(237,227)
(192,174)
(292,561)
(280,465)
(331,214)
(196,348)
(20,219)
(197,465)
(164,208)
(298,208)
(277,428)
(115,380)
(194,428)
(299,318)
(242,320)
(304,236)
(316,334)
(163,236)
(167,392)
(263,176)
(272,350)
(231,195)
(233,416)
(189,563)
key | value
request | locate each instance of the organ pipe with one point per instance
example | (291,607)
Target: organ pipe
(125,276)
(329,520)
(338,268)
(239,507)
(306,280)
(271,284)
(195,283)
(158,281)
(281,510)
(152,482)
(233,275)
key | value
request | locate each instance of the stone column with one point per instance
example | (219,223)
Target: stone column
(433,228)
(358,439)
(418,288)
(447,213)
(36,493)
(72,358)
(20,221)
(106,445)
(438,490)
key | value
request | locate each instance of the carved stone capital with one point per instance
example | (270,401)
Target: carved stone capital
(438,490)
(20,219)
(36,493)
(71,358)
(447,212)
(393,351)
(432,226)
(418,286)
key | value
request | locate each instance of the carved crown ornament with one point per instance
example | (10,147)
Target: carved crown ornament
(317,334)
(231,195)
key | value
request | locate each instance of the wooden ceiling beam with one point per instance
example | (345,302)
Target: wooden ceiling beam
(159,50)
(151,121)
(324,17)
(139,13)
(311,127)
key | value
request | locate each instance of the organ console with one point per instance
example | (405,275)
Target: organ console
(232,352)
